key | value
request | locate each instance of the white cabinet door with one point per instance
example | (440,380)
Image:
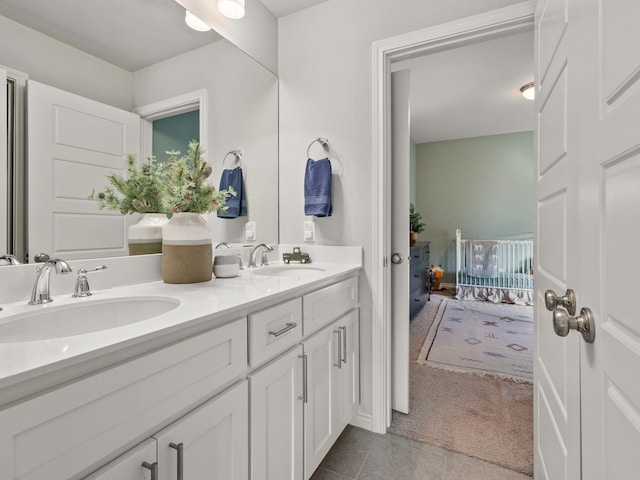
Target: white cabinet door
(136,464)
(319,424)
(277,419)
(345,378)
(211,442)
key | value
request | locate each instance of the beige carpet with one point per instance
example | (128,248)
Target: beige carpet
(481,416)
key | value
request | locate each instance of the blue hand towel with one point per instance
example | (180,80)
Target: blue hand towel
(238,204)
(317,188)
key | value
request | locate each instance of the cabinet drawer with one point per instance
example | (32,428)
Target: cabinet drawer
(326,305)
(417,278)
(68,432)
(416,256)
(273,330)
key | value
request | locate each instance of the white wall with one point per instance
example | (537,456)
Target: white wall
(242,114)
(324,64)
(54,63)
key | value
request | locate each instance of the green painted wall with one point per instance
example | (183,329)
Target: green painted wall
(174,133)
(412,171)
(482,185)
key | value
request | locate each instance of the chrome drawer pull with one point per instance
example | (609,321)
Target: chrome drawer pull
(344,344)
(153,467)
(179,447)
(305,392)
(339,332)
(288,327)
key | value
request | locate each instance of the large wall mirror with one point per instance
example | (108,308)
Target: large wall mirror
(139,58)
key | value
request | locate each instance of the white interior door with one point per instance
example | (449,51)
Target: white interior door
(73,144)
(609,215)
(4,201)
(400,145)
(556,230)
(588,76)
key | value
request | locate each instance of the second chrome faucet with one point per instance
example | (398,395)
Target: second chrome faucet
(41,292)
(254,251)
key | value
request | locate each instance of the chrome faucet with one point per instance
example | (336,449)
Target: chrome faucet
(40,293)
(253,253)
(8,259)
(222,244)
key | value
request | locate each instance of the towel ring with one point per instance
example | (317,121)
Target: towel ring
(322,141)
(236,153)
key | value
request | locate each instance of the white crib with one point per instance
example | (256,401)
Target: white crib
(494,270)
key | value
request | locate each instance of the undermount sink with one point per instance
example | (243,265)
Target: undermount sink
(289,271)
(80,318)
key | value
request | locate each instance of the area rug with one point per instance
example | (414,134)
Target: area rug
(480,416)
(481,337)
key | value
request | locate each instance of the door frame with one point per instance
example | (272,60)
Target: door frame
(188,102)
(512,19)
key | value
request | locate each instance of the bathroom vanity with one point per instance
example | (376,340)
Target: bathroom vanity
(248,377)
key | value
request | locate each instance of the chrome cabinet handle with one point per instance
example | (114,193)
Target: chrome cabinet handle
(290,326)
(583,323)
(344,343)
(180,449)
(339,332)
(553,301)
(153,467)
(305,392)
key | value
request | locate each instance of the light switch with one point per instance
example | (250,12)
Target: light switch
(309,231)
(250,231)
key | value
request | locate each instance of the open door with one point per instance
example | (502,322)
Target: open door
(400,147)
(73,144)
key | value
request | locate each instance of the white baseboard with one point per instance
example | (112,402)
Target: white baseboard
(362,420)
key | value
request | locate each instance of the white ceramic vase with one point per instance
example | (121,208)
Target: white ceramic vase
(186,249)
(145,236)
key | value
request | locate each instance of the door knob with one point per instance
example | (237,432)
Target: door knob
(397,258)
(583,323)
(553,301)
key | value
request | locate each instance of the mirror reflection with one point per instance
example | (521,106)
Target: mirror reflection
(89,107)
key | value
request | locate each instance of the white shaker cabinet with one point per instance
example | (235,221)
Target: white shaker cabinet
(139,463)
(211,442)
(331,388)
(276,419)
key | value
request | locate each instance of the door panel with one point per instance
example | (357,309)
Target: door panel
(556,359)
(400,144)
(73,143)
(610,388)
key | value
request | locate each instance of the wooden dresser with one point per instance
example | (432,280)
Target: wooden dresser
(419,263)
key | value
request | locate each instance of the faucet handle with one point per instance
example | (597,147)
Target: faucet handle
(265,260)
(82,283)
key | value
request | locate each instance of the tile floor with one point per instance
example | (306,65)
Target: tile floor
(361,455)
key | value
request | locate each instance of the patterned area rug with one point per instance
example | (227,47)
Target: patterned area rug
(486,338)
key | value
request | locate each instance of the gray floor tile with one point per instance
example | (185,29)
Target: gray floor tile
(349,452)
(322,474)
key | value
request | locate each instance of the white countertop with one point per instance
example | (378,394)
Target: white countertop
(202,306)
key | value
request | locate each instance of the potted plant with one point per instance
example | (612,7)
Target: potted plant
(139,191)
(186,238)
(416,225)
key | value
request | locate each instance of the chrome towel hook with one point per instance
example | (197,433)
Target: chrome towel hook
(322,141)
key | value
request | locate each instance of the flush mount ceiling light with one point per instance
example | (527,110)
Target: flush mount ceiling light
(528,91)
(195,23)
(231,8)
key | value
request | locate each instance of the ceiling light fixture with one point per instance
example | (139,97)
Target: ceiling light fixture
(195,23)
(528,91)
(231,8)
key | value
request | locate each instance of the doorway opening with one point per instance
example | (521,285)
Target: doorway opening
(501,22)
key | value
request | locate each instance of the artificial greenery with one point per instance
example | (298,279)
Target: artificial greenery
(415,220)
(141,190)
(187,188)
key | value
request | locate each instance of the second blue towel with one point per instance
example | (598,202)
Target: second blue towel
(317,188)
(237,206)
